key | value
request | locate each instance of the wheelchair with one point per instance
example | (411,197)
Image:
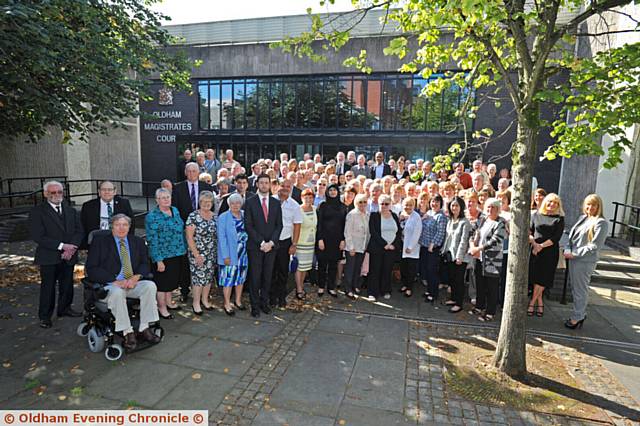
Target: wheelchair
(98,325)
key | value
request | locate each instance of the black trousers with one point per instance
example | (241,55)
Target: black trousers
(379,277)
(185,276)
(456,281)
(280,273)
(62,274)
(327,272)
(487,290)
(352,270)
(408,271)
(431,262)
(260,273)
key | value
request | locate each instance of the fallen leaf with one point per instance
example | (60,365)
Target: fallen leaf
(62,397)
(226,370)
(196,376)
(342,422)
(6,364)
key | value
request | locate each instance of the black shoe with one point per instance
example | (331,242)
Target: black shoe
(229,312)
(196,312)
(70,313)
(45,324)
(569,324)
(255,313)
(333,293)
(240,307)
(166,317)
(266,309)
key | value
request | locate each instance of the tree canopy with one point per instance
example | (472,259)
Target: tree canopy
(80,66)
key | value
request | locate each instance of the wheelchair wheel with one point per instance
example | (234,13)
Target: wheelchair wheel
(83,329)
(95,340)
(114,352)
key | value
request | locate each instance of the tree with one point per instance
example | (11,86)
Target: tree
(517,45)
(80,66)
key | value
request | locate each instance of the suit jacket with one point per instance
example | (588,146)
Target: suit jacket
(386,170)
(346,167)
(257,228)
(103,263)
(90,215)
(296,194)
(364,170)
(579,244)
(224,206)
(376,242)
(48,230)
(253,183)
(181,198)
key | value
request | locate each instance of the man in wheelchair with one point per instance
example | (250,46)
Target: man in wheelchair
(120,262)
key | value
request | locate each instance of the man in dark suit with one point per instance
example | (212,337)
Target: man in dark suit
(187,158)
(379,169)
(120,261)
(185,198)
(97,213)
(341,165)
(56,228)
(263,222)
(242,186)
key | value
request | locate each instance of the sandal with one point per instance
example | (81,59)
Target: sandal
(300,295)
(531,310)
(540,311)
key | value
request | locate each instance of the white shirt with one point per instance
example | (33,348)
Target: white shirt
(104,213)
(291,214)
(55,207)
(379,171)
(266,201)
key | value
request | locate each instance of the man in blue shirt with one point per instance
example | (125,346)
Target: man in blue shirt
(121,262)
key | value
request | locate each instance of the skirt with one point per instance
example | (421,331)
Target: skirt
(168,280)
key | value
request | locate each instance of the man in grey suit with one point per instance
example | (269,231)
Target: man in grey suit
(361,168)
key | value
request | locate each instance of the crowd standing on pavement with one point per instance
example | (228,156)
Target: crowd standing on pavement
(350,226)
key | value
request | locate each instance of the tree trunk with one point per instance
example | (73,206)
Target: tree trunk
(510,355)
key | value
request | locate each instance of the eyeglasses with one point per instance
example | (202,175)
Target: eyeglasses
(55,192)
(385,204)
(322,184)
(362,202)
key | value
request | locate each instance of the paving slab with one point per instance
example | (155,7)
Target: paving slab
(340,323)
(316,382)
(275,416)
(386,338)
(236,329)
(204,392)
(219,356)
(172,346)
(144,381)
(354,415)
(377,383)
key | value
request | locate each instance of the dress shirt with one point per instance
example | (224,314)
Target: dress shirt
(55,209)
(291,214)
(379,170)
(340,168)
(266,198)
(196,190)
(104,213)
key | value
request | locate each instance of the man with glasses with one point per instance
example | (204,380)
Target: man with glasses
(96,214)
(56,228)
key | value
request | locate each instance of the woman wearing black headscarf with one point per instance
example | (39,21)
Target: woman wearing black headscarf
(330,235)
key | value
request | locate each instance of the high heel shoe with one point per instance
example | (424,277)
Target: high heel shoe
(167,317)
(196,312)
(574,325)
(540,311)
(229,312)
(531,310)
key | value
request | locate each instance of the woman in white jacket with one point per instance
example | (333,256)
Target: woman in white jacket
(356,238)
(411,224)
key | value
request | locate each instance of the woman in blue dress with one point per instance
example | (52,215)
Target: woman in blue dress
(232,253)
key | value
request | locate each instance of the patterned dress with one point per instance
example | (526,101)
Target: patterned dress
(307,240)
(206,239)
(233,275)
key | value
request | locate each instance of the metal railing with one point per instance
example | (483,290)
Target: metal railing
(632,222)
(10,183)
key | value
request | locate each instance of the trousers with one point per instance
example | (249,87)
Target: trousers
(145,291)
(580,277)
(62,274)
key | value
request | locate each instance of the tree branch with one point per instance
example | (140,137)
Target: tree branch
(594,9)
(604,33)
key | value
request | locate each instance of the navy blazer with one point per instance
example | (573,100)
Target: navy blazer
(181,198)
(48,230)
(103,263)
(90,215)
(256,227)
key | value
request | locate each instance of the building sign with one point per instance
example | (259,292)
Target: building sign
(165,123)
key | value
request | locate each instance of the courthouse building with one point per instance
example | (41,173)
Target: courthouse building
(261,102)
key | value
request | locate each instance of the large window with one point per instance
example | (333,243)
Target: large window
(371,103)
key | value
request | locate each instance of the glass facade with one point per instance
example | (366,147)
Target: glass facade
(373,103)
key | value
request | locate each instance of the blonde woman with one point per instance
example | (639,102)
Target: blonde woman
(547,225)
(356,237)
(585,241)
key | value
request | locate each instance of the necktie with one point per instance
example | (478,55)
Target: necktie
(127,270)
(109,211)
(193,196)
(59,210)
(264,209)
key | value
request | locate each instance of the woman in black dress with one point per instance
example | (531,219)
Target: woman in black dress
(547,225)
(330,235)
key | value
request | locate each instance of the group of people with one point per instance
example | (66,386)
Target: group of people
(346,222)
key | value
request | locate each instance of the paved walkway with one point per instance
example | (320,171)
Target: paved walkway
(344,363)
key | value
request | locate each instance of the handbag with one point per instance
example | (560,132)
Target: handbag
(446,257)
(293,264)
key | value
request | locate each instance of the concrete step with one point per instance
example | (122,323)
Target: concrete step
(616,277)
(618,263)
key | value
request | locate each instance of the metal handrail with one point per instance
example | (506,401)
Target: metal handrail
(10,181)
(635,210)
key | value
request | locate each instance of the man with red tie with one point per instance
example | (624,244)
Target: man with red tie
(263,222)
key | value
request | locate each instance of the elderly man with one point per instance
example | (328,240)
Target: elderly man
(187,158)
(96,214)
(166,184)
(200,159)
(351,158)
(341,166)
(361,169)
(291,222)
(478,170)
(229,163)
(211,163)
(427,173)
(379,169)
(464,177)
(120,261)
(56,228)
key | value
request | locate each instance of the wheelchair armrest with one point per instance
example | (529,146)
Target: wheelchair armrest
(98,288)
